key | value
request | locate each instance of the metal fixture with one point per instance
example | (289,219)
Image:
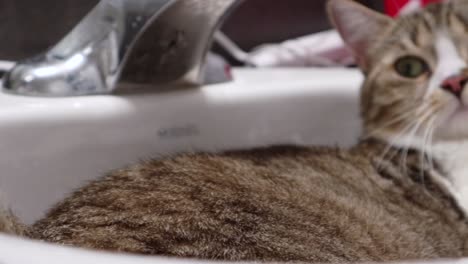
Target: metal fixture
(126,45)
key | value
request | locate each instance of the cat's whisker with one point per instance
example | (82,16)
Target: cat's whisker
(412,127)
(430,152)
(407,113)
(394,121)
(427,143)
(410,137)
(425,118)
(392,142)
(403,117)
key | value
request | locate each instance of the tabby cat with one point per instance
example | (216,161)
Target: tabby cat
(400,194)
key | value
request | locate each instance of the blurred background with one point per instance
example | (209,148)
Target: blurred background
(30,27)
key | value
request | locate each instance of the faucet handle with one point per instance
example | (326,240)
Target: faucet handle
(126,45)
(174,47)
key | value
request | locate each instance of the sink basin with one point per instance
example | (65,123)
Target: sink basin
(52,146)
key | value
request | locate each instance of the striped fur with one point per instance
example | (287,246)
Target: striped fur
(274,204)
(389,198)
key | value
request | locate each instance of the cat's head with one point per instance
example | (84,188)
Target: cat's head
(416,70)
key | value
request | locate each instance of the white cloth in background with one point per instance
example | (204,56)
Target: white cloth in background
(321,49)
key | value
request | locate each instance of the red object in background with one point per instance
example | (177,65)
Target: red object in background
(393,7)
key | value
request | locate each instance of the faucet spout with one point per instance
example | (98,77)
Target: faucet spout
(125,45)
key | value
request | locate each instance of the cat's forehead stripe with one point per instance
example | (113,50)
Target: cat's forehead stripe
(428,20)
(421,29)
(446,13)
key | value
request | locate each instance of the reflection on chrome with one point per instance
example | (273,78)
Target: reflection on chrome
(125,45)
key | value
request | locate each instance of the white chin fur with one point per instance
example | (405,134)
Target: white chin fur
(453,125)
(450,148)
(453,156)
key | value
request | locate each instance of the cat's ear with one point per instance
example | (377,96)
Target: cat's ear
(358,26)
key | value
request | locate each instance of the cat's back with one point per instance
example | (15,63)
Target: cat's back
(280,203)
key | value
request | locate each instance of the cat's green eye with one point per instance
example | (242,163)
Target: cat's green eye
(411,67)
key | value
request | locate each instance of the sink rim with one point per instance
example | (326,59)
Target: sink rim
(249,86)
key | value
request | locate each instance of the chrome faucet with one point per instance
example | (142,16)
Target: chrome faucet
(125,45)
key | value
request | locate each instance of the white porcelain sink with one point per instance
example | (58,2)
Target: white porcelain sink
(50,147)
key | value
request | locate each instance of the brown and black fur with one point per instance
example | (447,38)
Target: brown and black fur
(272,204)
(367,203)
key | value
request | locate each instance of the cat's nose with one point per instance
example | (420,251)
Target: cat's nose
(455,84)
